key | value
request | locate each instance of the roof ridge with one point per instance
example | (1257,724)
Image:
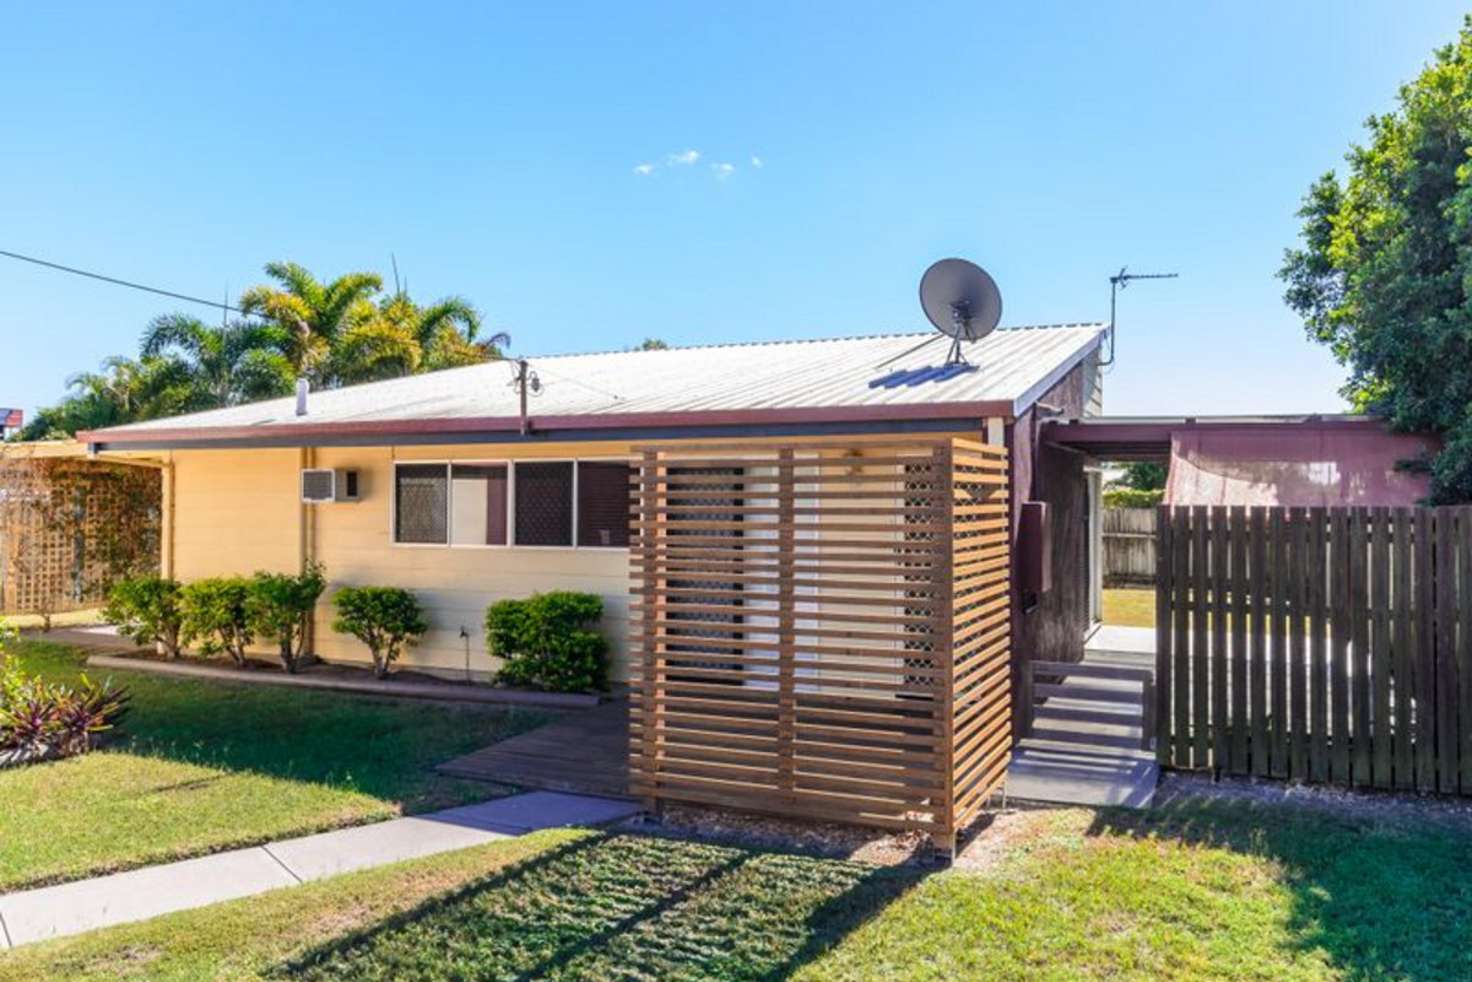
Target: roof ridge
(774,342)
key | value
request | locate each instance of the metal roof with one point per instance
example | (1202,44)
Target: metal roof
(811,380)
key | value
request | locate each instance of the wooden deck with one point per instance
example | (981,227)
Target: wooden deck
(586,752)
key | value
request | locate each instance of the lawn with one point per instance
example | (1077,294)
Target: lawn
(1204,890)
(1129,607)
(204,766)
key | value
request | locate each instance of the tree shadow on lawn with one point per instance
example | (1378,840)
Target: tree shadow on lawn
(623,905)
(1377,898)
(382,747)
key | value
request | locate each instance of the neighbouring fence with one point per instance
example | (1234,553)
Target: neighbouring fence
(1129,546)
(1317,644)
(823,629)
(70,527)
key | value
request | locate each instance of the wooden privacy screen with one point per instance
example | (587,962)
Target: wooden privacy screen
(822,629)
(1327,645)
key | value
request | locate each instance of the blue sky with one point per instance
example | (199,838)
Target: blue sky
(494,151)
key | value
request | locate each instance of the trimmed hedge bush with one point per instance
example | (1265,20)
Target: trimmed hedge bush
(548,642)
(147,609)
(216,615)
(387,619)
(280,606)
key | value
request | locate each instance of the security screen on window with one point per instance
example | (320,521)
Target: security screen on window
(544,503)
(421,503)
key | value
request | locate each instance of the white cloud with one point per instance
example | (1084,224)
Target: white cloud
(643,170)
(723,170)
(684,158)
(757,162)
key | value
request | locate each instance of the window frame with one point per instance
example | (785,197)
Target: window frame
(511,484)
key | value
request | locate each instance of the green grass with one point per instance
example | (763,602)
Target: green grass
(1129,607)
(203,766)
(1221,890)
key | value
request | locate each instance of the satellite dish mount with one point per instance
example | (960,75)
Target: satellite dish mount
(962,301)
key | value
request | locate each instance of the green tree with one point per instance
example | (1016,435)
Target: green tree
(653,344)
(124,391)
(1142,475)
(315,314)
(1383,272)
(229,363)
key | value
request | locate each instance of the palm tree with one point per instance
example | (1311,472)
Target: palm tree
(401,338)
(125,391)
(231,363)
(315,314)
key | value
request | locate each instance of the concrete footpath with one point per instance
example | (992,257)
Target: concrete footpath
(71,908)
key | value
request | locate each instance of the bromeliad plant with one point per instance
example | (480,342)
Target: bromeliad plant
(280,606)
(40,719)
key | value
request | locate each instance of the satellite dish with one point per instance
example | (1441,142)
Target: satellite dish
(961,300)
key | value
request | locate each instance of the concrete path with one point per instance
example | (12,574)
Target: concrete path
(71,908)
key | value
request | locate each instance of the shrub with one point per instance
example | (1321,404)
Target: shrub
(1132,498)
(548,641)
(216,615)
(40,719)
(146,609)
(385,618)
(280,606)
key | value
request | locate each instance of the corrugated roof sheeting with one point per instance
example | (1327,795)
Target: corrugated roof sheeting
(1011,364)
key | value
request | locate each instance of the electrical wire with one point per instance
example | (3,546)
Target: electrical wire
(120,282)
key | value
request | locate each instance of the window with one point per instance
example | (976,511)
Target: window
(531,503)
(603,503)
(544,503)
(478,504)
(421,503)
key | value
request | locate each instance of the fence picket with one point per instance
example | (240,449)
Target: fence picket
(1278,676)
(1221,588)
(1181,588)
(1464,649)
(1258,673)
(1337,668)
(1200,669)
(1317,579)
(1447,768)
(1423,667)
(1237,753)
(1164,578)
(1379,677)
(1299,538)
(1403,652)
(1360,678)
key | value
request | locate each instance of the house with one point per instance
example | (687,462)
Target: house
(822,521)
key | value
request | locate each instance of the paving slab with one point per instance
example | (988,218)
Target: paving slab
(313,857)
(538,810)
(69,908)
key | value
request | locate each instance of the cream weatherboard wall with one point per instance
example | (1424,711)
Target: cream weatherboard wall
(237,511)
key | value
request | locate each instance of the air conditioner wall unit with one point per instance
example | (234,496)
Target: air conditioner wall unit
(322,484)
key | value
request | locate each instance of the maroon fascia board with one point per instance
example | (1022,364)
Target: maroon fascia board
(547,424)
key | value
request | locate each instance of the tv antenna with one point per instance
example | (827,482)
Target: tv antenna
(1118,282)
(962,301)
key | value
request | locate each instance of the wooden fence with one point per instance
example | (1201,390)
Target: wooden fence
(823,629)
(1325,645)
(1128,535)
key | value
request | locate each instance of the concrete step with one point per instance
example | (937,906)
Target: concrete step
(1044,772)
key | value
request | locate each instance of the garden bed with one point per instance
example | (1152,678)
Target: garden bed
(343,678)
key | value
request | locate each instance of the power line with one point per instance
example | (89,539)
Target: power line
(117,282)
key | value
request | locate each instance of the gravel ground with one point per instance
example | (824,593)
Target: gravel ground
(1001,829)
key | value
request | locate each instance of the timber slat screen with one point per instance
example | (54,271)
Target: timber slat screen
(1317,644)
(822,629)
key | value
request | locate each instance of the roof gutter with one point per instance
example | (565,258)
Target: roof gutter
(495,429)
